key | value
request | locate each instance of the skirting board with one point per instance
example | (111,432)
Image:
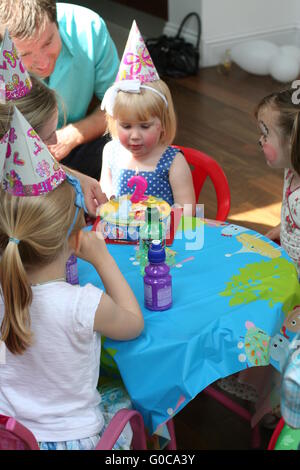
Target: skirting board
(212,52)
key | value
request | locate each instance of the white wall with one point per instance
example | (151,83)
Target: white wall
(228,18)
(226,22)
(178,9)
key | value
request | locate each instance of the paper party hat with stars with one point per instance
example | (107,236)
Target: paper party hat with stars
(136,62)
(29,168)
(14,78)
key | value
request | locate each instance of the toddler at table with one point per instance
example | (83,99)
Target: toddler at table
(51,329)
(142,123)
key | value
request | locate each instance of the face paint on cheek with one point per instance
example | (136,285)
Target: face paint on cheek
(270,152)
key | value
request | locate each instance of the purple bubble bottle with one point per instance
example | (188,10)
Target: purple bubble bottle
(157,280)
(72,270)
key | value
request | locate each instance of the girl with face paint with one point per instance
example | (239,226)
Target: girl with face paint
(278,120)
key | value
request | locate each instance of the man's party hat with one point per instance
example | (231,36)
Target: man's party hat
(14,78)
(136,62)
(29,168)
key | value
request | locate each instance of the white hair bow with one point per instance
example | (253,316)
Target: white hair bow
(128,86)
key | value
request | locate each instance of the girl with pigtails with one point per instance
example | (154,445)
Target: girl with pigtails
(279,122)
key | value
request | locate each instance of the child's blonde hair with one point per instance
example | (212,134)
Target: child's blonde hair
(41,224)
(38,106)
(140,107)
(288,121)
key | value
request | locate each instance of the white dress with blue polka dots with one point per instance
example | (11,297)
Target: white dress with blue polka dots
(158,180)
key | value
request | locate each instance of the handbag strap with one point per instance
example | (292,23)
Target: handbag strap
(198,24)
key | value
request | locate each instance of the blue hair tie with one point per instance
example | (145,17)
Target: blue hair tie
(79,197)
(14,240)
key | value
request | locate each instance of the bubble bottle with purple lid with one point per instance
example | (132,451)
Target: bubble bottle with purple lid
(72,270)
(157,280)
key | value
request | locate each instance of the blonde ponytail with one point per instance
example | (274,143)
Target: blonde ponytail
(17,296)
(40,226)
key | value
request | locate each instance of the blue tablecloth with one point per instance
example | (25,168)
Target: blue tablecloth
(233,293)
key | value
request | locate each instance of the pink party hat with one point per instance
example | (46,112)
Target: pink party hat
(14,78)
(29,168)
(136,62)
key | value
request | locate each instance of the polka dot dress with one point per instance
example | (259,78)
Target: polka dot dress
(158,180)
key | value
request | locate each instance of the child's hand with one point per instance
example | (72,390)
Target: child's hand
(90,246)
(274,233)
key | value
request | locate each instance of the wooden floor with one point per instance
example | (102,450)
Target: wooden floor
(215,115)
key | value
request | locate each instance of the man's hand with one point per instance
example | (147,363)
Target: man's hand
(93,195)
(87,129)
(67,138)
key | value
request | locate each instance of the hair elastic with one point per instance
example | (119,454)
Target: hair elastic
(14,240)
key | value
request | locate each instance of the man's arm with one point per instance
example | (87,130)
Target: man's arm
(77,133)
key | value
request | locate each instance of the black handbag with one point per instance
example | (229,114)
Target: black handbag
(173,56)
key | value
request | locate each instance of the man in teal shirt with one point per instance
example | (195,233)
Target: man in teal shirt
(70,48)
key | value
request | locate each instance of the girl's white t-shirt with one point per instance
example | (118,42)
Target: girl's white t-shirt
(51,388)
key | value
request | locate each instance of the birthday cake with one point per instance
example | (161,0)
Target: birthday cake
(121,219)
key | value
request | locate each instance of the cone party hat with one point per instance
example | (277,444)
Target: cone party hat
(136,62)
(14,78)
(29,168)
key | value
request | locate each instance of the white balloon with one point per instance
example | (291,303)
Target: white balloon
(284,68)
(254,56)
(291,50)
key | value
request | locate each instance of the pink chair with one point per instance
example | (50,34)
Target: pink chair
(15,436)
(204,166)
(237,409)
(116,426)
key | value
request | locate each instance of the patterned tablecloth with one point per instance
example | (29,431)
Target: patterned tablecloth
(236,304)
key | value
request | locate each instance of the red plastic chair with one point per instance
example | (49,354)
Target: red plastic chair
(205,166)
(15,436)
